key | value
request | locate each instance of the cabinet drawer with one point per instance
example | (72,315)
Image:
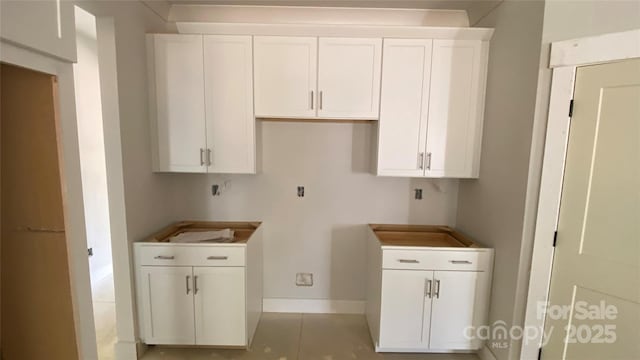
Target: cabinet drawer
(436,260)
(169,255)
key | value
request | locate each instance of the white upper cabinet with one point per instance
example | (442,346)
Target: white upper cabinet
(349,77)
(228,89)
(201,96)
(431,108)
(309,77)
(405,93)
(285,72)
(456,108)
(177,109)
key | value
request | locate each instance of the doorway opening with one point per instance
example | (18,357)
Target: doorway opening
(91,143)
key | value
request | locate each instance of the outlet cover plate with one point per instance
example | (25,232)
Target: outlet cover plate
(304,279)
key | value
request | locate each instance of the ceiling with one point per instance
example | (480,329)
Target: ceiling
(476,9)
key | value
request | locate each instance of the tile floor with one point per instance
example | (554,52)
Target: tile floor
(104,314)
(302,337)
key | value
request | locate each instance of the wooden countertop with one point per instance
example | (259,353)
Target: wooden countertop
(242,230)
(421,235)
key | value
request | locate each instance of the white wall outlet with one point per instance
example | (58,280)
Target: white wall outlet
(304,279)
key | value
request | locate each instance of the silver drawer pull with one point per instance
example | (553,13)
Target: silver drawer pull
(460,262)
(408,261)
(163,257)
(217,257)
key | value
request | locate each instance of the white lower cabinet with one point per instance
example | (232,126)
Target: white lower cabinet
(195,294)
(427,299)
(186,305)
(167,302)
(219,316)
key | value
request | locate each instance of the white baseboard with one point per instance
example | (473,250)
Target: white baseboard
(485,354)
(316,306)
(128,350)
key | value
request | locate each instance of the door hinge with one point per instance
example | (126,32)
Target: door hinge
(571,108)
(539,353)
(90,251)
(555,238)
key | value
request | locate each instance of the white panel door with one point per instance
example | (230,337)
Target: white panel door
(220,306)
(349,78)
(180,111)
(404,105)
(405,309)
(455,108)
(597,256)
(228,85)
(454,298)
(285,74)
(167,297)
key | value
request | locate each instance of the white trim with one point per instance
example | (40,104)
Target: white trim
(485,353)
(565,57)
(120,249)
(316,306)
(596,49)
(72,189)
(407,32)
(317,15)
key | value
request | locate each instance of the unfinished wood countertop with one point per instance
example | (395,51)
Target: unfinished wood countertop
(242,230)
(421,236)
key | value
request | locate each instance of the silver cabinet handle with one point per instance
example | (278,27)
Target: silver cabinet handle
(164,257)
(195,285)
(460,262)
(320,101)
(312,99)
(201,157)
(421,161)
(428,161)
(437,294)
(408,261)
(187,284)
(217,257)
(209,157)
(427,288)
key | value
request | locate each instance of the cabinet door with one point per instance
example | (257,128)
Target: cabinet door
(456,108)
(179,103)
(453,309)
(229,104)
(404,105)
(405,309)
(167,303)
(349,78)
(285,73)
(220,306)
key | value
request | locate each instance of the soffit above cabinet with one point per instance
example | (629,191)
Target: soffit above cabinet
(474,8)
(325,21)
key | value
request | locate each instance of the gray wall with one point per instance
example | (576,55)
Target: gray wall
(324,232)
(491,209)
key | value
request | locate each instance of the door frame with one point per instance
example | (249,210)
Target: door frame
(565,57)
(127,347)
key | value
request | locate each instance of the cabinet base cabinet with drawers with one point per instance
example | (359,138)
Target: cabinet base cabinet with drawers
(195,294)
(422,299)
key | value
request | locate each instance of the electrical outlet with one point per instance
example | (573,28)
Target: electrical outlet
(300,191)
(215,190)
(304,279)
(418,195)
